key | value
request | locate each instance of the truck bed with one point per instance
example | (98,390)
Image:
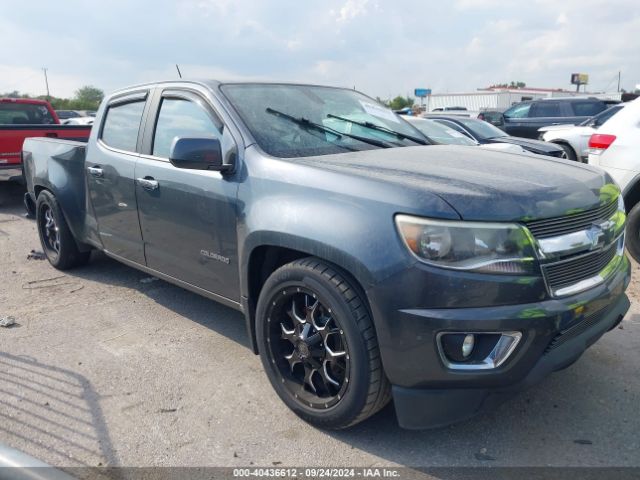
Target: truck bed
(13,136)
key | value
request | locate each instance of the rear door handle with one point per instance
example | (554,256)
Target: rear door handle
(148,183)
(51,135)
(96,171)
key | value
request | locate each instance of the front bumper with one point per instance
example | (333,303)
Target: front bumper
(555,333)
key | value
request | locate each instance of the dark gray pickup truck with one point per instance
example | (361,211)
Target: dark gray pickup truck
(368,264)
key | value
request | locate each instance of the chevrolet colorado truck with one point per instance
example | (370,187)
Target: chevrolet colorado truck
(22,118)
(368,264)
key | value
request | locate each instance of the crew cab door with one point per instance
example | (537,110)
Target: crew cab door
(188,217)
(110,167)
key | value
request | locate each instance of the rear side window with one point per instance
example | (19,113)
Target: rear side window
(121,126)
(24,114)
(545,109)
(181,118)
(587,109)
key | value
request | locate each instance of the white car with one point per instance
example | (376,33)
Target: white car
(442,134)
(574,138)
(79,121)
(616,149)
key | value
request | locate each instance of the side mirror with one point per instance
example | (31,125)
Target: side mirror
(197,154)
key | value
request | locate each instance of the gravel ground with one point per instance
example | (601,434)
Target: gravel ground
(107,367)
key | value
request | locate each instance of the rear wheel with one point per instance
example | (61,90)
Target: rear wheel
(56,238)
(569,152)
(633,232)
(318,345)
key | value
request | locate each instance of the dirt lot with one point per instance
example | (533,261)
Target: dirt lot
(108,367)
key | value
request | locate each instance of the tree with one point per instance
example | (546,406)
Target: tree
(87,98)
(400,102)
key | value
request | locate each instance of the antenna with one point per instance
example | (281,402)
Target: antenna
(178,68)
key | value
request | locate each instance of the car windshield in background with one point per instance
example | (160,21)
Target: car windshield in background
(481,129)
(24,114)
(440,133)
(305,106)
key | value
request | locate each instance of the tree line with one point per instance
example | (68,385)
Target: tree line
(85,98)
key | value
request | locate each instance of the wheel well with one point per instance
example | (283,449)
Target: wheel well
(632,196)
(566,144)
(265,260)
(37,189)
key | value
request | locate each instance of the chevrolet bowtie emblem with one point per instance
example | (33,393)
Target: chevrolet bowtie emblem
(598,232)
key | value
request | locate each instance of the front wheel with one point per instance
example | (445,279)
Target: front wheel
(56,238)
(318,345)
(632,238)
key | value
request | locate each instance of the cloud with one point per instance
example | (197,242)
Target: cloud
(382,48)
(351,9)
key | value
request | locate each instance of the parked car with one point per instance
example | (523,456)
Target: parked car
(485,133)
(79,121)
(615,147)
(367,265)
(440,134)
(524,119)
(574,139)
(67,114)
(21,118)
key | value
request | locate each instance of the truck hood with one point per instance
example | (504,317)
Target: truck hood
(479,184)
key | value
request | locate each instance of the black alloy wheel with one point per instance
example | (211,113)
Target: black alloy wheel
(318,344)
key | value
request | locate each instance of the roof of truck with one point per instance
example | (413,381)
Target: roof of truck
(32,101)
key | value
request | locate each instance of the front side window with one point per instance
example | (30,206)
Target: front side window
(291,121)
(180,118)
(121,126)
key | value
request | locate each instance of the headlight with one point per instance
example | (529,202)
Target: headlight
(476,246)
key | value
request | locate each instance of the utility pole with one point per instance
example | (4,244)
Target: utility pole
(46,82)
(619,74)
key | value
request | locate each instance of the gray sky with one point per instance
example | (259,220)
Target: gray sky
(382,47)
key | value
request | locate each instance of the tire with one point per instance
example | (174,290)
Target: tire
(56,238)
(346,383)
(633,232)
(569,152)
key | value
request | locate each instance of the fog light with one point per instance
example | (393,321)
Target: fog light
(477,350)
(467,344)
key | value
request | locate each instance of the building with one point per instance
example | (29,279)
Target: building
(495,98)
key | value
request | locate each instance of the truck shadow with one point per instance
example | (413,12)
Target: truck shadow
(11,194)
(52,413)
(208,313)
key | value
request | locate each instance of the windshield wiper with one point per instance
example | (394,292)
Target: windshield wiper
(308,124)
(373,126)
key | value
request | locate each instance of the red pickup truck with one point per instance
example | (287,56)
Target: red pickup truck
(21,118)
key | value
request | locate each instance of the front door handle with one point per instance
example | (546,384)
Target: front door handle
(51,135)
(96,172)
(148,183)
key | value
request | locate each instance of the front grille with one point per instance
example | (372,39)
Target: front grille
(574,330)
(552,227)
(571,271)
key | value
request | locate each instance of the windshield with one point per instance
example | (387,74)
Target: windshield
(285,137)
(481,129)
(440,133)
(24,114)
